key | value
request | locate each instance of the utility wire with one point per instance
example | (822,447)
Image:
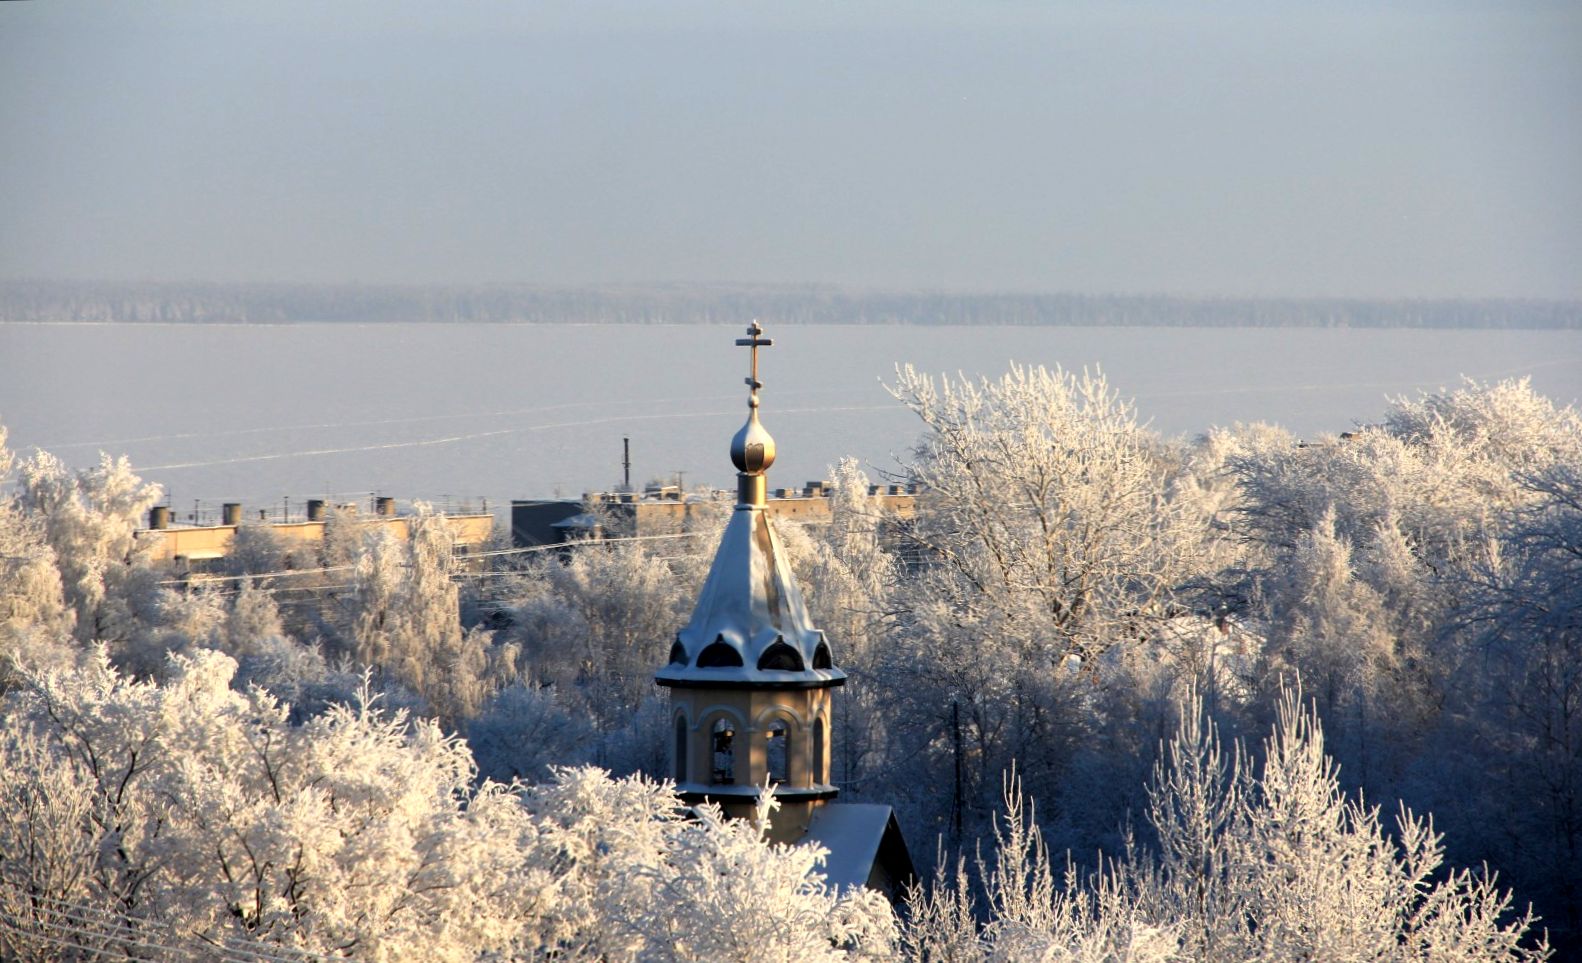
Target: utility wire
(496,553)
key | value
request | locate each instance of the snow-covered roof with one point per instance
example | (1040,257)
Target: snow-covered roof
(750,626)
(852,832)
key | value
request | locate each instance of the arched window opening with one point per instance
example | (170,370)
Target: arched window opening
(777,751)
(781,658)
(723,772)
(719,655)
(820,777)
(681,749)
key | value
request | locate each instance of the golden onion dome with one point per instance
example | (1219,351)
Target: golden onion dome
(753,448)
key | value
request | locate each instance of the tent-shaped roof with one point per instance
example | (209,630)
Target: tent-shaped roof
(750,628)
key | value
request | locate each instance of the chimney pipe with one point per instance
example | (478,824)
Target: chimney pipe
(159,517)
(315,509)
(231,513)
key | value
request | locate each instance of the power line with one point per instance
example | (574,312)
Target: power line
(494,553)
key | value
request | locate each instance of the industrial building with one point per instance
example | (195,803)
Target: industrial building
(195,545)
(662,510)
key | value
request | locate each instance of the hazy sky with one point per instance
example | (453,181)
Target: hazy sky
(1259,148)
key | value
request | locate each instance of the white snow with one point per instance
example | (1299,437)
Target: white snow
(750,601)
(852,833)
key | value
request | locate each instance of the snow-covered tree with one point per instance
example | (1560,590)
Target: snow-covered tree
(598,623)
(724,894)
(1516,733)
(1045,512)
(402,618)
(189,802)
(49,846)
(190,806)
(1314,875)
(850,574)
(34,618)
(1050,548)
(1331,629)
(1275,864)
(256,550)
(524,730)
(89,518)
(1449,517)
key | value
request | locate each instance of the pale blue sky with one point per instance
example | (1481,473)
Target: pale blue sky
(1261,148)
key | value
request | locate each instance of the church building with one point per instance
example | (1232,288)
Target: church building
(751,681)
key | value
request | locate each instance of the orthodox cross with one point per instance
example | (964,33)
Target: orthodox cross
(754,342)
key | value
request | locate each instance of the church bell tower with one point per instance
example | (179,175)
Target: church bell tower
(749,676)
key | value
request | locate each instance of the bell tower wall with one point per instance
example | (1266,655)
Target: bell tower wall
(725,748)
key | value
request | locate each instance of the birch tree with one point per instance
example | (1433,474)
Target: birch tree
(1044,510)
(191,803)
(1050,547)
(1270,862)
(402,618)
(34,617)
(89,518)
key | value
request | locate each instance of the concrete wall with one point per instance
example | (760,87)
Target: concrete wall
(214,541)
(533,521)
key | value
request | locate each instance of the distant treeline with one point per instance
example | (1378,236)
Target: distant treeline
(41,301)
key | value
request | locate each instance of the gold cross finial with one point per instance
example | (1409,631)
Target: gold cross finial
(754,342)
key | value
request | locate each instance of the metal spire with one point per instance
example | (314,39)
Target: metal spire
(754,342)
(753,449)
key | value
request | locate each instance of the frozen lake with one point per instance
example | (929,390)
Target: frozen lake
(254,413)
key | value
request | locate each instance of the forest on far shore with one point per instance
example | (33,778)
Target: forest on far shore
(258,303)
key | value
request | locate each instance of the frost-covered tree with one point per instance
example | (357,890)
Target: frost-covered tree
(1497,433)
(256,550)
(367,615)
(89,518)
(253,618)
(1331,630)
(344,535)
(524,730)
(597,623)
(724,894)
(1050,549)
(1517,731)
(34,618)
(1268,864)
(190,807)
(402,618)
(850,574)
(1440,471)
(47,859)
(1045,513)
(1445,530)
(191,803)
